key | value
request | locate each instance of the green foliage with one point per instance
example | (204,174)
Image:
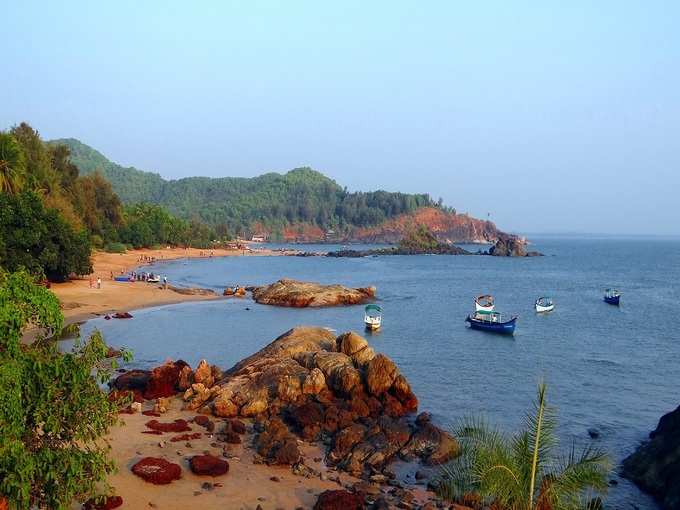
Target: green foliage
(148,225)
(419,239)
(115,248)
(39,239)
(12,164)
(524,471)
(53,413)
(272,200)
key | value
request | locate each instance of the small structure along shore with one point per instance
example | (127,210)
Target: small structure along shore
(309,419)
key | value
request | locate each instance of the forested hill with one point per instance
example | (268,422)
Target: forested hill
(302,204)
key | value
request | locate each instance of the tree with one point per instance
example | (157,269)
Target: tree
(12,164)
(39,240)
(525,471)
(53,412)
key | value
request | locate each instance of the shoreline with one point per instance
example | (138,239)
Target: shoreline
(81,300)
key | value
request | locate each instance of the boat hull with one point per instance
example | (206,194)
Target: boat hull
(373,324)
(503,328)
(544,309)
(612,300)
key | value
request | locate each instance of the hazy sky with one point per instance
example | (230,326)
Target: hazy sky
(550,116)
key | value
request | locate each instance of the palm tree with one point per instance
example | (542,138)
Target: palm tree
(523,471)
(12,164)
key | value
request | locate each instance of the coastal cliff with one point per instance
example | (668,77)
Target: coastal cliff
(655,465)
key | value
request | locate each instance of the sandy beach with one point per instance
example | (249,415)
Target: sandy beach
(82,300)
(245,486)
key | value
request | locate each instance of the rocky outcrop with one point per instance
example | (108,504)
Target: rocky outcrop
(299,294)
(192,291)
(655,465)
(511,246)
(310,384)
(157,471)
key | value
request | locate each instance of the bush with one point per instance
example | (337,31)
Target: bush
(39,239)
(115,248)
(53,412)
(96,241)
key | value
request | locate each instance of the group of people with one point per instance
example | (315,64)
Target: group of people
(147,258)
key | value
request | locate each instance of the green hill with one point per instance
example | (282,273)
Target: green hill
(273,201)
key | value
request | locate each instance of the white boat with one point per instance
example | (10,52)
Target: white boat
(373,317)
(484,303)
(153,279)
(544,304)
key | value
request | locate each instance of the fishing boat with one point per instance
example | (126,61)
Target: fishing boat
(612,296)
(484,303)
(544,304)
(123,279)
(373,317)
(153,278)
(492,322)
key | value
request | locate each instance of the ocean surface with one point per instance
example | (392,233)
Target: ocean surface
(616,369)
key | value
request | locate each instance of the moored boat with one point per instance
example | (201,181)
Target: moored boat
(612,296)
(492,322)
(123,279)
(544,304)
(484,303)
(373,317)
(153,278)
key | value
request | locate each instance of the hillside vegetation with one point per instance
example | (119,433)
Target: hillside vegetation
(272,200)
(301,204)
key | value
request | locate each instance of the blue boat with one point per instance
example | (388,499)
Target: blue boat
(492,322)
(612,296)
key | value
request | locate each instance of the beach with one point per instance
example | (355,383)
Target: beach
(81,299)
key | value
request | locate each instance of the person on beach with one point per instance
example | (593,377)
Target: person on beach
(99,282)
(165,282)
(112,275)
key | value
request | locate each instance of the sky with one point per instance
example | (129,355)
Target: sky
(546,116)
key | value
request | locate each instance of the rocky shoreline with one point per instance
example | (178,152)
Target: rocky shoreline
(308,388)
(298,294)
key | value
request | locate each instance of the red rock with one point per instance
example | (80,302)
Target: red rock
(151,413)
(288,453)
(176,426)
(132,380)
(201,420)
(208,465)
(231,437)
(108,503)
(186,437)
(307,414)
(164,380)
(156,432)
(237,426)
(339,500)
(122,315)
(157,471)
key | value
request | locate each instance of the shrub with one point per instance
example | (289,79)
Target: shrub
(53,412)
(96,241)
(115,248)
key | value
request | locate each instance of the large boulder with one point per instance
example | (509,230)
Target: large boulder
(208,465)
(655,465)
(299,294)
(511,246)
(157,471)
(164,380)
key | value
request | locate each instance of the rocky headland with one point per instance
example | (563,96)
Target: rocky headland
(655,465)
(307,391)
(298,294)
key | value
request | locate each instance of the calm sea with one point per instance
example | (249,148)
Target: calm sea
(613,369)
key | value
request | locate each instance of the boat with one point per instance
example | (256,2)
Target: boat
(492,322)
(544,304)
(612,296)
(153,279)
(484,303)
(123,279)
(373,317)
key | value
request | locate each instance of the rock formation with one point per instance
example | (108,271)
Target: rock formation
(309,385)
(511,246)
(299,294)
(655,465)
(157,471)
